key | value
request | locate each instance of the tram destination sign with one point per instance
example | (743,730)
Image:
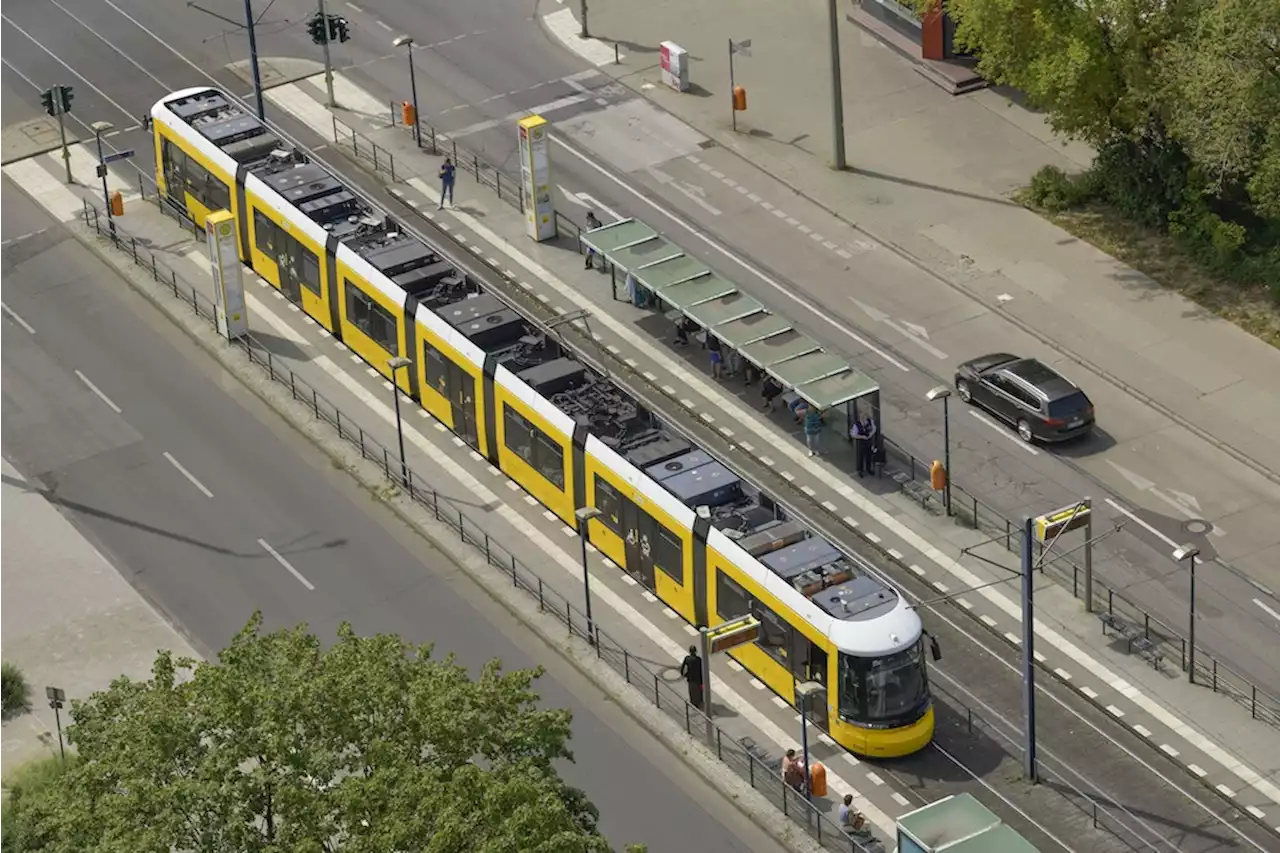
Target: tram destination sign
(736,632)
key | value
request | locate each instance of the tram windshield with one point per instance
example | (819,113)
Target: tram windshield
(888,690)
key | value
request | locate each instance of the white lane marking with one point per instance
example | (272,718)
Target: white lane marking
(788,292)
(565,28)
(875,779)
(354,6)
(587,200)
(1004,433)
(13,315)
(1142,730)
(95,389)
(1062,673)
(1114,711)
(282,561)
(1090,692)
(1271,611)
(1230,794)
(385,26)
(1168,750)
(1118,508)
(693,192)
(85,80)
(900,800)
(1198,770)
(780,702)
(489,124)
(182,470)
(967,578)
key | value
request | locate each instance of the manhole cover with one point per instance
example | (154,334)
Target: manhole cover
(1197,526)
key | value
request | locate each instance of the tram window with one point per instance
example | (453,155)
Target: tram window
(437,373)
(668,554)
(548,458)
(609,502)
(775,634)
(370,317)
(175,166)
(534,446)
(310,270)
(264,232)
(732,600)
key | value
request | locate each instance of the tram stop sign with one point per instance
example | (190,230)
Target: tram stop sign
(1061,521)
(737,632)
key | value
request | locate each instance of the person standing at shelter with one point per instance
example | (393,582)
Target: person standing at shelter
(447,174)
(813,429)
(592,224)
(861,450)
(873,444)
(691,669)
(717,357)
(793,770)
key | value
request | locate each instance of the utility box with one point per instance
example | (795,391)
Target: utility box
(958,824)
(675,66)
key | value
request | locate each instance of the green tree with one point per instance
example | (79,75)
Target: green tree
(1222,85)
(368,746)
(1090,64)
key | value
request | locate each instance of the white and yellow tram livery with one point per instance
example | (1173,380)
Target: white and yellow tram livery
(680,522)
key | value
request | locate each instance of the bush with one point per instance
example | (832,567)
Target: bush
(13,684)
(20,786)
(1054,190)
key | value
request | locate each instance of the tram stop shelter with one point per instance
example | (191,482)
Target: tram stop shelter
(681,285)
(958,824)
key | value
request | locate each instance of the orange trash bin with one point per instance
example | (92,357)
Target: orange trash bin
(818,779)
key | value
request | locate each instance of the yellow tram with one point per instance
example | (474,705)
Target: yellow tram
(707,543)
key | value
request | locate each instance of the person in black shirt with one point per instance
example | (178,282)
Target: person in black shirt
(691,669)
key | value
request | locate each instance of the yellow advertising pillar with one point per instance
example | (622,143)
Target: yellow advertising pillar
(535,175)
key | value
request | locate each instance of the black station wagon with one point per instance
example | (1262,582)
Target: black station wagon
(1039,402)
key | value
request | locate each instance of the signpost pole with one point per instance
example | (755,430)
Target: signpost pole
(733,112)
(328,65)
(705,642)
(1028,652)
(1088,557)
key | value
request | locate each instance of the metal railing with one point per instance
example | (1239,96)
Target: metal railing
(1170,643)
(757,769)
(637,671)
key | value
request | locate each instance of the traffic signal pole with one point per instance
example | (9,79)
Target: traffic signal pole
(328,65)
(66,153)
(253,59)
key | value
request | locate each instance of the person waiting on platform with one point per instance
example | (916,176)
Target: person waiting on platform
(770,390)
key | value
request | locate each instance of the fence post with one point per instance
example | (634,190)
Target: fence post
(497,182)
(315,404)
(540,601)
(626,672)
(338,412)
(975,515)
(434,150)
(657,699)
(688,727)
(155,270)
(1215,675)
(1253,703)
(293,385)
(514,581)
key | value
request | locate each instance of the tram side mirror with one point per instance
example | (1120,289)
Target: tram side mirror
(935,649)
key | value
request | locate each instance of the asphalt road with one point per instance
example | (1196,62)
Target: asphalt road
(132,73)
(184,484)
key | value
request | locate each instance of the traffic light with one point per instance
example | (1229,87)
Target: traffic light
(316,27)
(67,94)
(57,99)
(338,28)
(46,98)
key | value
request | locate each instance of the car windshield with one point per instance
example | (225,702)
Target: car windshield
(885,688)
(1072,404)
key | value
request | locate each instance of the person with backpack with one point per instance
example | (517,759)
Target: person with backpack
(447,173)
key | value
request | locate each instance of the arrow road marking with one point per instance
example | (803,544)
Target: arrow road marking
(1142,523)
(693,192)
(911,331)
(588,201)
(1185,504)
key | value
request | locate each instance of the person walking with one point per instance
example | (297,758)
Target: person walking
(813,429)
(691,669)
(447,173)
(592,224)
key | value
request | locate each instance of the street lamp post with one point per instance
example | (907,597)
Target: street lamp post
(585,514)
(407,41)
(1189,553)
(57,696)
(99,128)
(805,690)
(943,393)
(395,364)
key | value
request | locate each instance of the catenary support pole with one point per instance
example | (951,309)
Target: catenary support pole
(1028,652)
(837,94)
(253,58)
(1088,556)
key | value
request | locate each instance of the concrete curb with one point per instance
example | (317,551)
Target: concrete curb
(369,475)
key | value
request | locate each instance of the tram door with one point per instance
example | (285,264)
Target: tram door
(641,535)
(460,388)
(289,264)
(809,663)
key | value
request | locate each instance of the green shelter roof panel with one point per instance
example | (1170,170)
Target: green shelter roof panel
(839,389)
(669,271)
(748,330)
(809,367)
(684,296)
(779,348)
(712,314)
(615,235)
(633,257)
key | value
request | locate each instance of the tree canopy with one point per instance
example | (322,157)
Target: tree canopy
(369,746)
(1181,98)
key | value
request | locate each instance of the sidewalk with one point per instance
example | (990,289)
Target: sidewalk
(1124,686)
(70,619)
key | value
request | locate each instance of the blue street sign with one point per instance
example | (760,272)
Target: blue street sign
(119,155)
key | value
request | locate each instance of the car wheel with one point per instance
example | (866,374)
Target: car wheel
(965,392)
(1024,431)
